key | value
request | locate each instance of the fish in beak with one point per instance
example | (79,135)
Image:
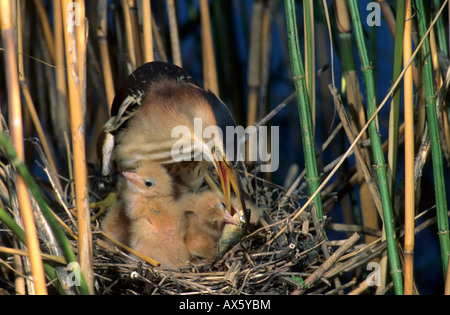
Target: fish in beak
(232,234)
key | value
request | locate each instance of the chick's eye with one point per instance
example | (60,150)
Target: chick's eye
(149,183)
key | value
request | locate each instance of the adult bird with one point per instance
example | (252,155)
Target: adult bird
(161,114)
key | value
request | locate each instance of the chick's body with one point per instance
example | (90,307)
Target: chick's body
(210,212)
(205,216)
(156,227)
(200,245)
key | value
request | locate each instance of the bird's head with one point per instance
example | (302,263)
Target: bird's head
(149,179)
(211,209)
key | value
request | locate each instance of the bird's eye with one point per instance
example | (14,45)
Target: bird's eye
(223,205)
(149,183)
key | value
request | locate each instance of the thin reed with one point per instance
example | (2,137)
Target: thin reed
(15,119)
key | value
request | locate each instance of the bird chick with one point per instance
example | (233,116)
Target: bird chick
(210,210)
(205,216)
(116,224)
(156,227)
(149,184)
(200,245)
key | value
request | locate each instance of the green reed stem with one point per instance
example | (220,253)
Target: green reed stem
(436,151)
(304,108)
(308,8)
(441,30)
(377,151)
(20,233)
(34,188)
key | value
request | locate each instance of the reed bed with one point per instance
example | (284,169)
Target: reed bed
(348,222)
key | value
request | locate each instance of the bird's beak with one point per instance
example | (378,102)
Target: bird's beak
(228,218)
(228,176)
(232,233)
(134,179)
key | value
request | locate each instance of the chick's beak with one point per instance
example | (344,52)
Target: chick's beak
(228,218)
(134,179)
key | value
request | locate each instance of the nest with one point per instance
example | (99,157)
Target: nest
(276,257)
(287,252)
(251,267)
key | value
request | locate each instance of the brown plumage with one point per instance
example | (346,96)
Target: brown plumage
(160,115)
(154,100)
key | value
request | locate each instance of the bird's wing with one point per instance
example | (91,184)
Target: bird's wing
(127,101)
(142,78)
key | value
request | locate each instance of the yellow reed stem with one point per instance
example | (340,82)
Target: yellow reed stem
(60,71)
(19,281)
(12,251)
(209,60)
(447,282)
(78,142)
(254,77)
(81,44)
(147,30)
(107,72)
(409,156)
(16,128)
(174,38)
(135,31)
(254,68)
(104,53)
(129,33)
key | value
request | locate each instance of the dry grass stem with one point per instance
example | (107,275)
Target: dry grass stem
(147,30)
(209,60)
(409,156)
(16,125)
(174,37)
(78,144)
